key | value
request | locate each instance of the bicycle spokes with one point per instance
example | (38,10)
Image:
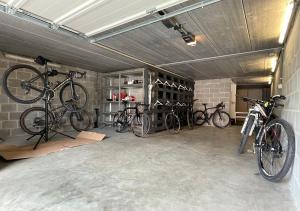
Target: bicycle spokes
(274,149)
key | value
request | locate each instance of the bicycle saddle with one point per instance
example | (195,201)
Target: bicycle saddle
(204,104)
(41,60)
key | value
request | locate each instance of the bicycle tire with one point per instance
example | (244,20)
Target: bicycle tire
(140,125)
(66,103)
(122,124)
(215,115)
(290,152)
(24,125)
(11,95)
(172,123)
(246,134)
(199,117)
(190,119)
(115,118)
(86,123)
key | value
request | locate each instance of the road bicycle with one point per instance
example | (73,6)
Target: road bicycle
(274,140)
(32,120)
(25,84)
(172,121)
(138,120)
(220,118)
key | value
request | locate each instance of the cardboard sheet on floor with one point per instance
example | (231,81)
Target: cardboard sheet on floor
(12,152)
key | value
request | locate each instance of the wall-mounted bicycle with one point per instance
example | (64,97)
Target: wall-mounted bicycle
(25,84)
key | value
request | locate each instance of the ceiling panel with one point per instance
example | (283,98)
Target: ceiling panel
(264,18)
(241,66)
(112,13)
(51,9)
(230,26)
(27,39)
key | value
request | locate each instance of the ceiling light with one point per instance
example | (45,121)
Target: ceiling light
(287,17)
(273,64)
(270,81)
(189,39)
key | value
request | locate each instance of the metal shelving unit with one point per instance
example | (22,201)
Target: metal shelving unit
(115,83)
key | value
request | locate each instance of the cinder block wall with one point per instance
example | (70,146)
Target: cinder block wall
(213,92)
(289,71)
(10,111)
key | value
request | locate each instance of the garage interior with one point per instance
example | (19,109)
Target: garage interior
(218,50)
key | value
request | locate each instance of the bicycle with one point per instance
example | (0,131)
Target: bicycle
(274,140)
(220,118)
(31,87)
(190,114)
(32,120)
(172,121)
(139,121)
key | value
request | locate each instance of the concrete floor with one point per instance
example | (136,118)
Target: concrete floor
(194,170)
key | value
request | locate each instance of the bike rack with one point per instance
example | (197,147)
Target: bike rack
(45,134)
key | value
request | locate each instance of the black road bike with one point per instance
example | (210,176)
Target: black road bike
(25,84)
(32,120)
(138,120)
(172,121)
(274,140)
(220,118)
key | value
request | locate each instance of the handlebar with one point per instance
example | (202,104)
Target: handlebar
(75,74)
(273,100)
(71,74)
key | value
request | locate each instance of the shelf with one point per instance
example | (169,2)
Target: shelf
(109,113)
(130,102)
(124,86)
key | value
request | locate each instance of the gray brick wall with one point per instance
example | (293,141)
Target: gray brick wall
(289,71)
(11,111)
(213,92)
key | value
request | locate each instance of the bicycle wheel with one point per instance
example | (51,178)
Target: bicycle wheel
(23,84)
(140,125)
(172,123)
(199,118)
(32,120)
(115,118)
(246,133)
(79,97)
(277,150)
(221,119)
(122,123)
(80,120)
(190,119)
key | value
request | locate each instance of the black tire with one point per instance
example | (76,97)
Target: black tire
(190,119)
(28,92)
(199,118)
(223,116)
(246,134)
(122,123)
(115,118)
(290,155)
(80,121)
(65,98)
(140,125)
(35,125)
(172,123)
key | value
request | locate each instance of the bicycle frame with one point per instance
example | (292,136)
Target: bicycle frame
(58,86)
(208,116)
